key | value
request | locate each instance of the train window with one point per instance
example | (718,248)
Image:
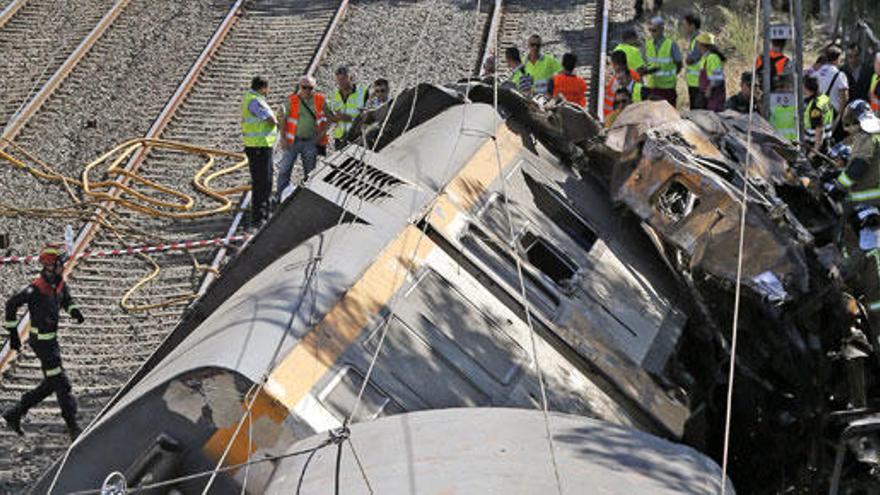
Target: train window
(546,258)
(341,399)
(676,201)
(557,209)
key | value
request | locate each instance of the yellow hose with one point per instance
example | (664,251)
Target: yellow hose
(99,192)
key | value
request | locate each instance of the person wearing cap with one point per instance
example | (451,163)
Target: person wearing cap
(779,62)
(569,85)
(691,29)
(742,101)
(818,118)
(541,66)
(664,63)
(629,46)
(306,130)
(45,297)
(712,87)
(259,128)
(345,105)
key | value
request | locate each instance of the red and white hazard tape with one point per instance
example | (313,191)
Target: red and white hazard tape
(172,246)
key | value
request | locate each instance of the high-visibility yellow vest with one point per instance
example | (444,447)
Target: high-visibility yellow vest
(350,106)
(823,104)
(693,70)
(713,66)
(542,72)
(634,58)
(257,133)
(872,94)
(635,91)
(664,78)
(867,189)
(783,118)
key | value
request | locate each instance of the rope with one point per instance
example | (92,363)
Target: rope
(201,474)
(739,265)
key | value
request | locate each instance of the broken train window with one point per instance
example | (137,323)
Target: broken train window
(546,258)
(676,201)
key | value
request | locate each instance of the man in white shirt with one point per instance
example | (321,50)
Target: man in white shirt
(833,82)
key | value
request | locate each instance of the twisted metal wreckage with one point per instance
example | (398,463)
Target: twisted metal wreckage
(803,414)
(628,243)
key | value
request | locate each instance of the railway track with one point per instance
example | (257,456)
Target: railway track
(574,26)
(266,37)
(36,39)
(101,354)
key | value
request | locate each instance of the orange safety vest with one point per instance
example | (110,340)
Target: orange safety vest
(778,59)
(611,88)
(320,120)
(872,92)
(571,87)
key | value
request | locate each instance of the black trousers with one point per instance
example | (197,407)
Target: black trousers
(260,165)
(695,98)
(54,381)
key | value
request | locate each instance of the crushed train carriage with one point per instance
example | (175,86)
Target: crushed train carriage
(407,245)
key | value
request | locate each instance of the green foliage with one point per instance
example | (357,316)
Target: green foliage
(738,31)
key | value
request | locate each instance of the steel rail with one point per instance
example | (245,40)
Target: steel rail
(246,200)
(10,11)
(492,36)
(599,89)
(222,253)
(18,121)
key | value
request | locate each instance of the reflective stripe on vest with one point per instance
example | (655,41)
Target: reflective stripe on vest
(872,92)
(635,91)
(874,306)
(693,70)
(822,102)
(845,180)
(610,88)
(351,106)
(713,66)
(10,324)
(784,120)
(634,58)
(53,371)
(42,336)
(293,117)
(664,78)
(256,132)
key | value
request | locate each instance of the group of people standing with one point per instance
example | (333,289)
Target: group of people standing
(310,119)
(651,72)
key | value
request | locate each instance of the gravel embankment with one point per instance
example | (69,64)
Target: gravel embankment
(36,41)
(380,39)
(113,95)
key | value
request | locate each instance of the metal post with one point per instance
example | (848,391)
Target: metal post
(799,60)
(765,64)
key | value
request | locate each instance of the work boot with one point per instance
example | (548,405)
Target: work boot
(13,421)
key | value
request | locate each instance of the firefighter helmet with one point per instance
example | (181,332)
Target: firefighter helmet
(53,255)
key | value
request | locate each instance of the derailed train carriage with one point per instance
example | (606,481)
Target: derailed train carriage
(408,245)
